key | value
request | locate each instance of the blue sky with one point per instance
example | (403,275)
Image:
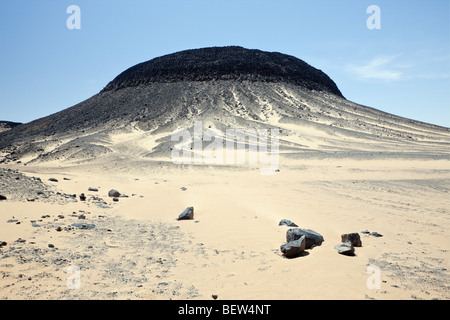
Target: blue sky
(402,68)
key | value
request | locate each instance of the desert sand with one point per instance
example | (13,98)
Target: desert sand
(138,250)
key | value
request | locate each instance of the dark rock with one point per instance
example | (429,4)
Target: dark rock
(59,229)
(286,222)
(82,197)
(84,226)
(187,214)
(60,216)
(115,199)
(376,234)
(215,296)
(365,232)
(312,238)
(50,245)
(113,193)
(53,180)
(294,248)
(82,216)
(354,239)
(92,189)
(2,198)
(3,244)
(345,248)
(183,188)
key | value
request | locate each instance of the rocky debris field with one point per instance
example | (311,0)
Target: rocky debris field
(109,261)
(15,186)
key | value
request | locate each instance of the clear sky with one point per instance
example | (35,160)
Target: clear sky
(402,68)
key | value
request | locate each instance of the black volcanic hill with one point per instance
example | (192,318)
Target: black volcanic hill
(225,63)
(223,87)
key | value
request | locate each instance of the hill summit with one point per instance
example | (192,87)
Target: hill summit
(225,63)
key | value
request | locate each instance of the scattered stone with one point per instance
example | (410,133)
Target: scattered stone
(345,248)
(187,214)
(45,216)
(113,193)
(2,198)
(83,226)
(60,216)
(183,188)
(82,197)
(365,232)
(294,248)
(286,222)
(312,238)
(53,180)
(93,189)
(3,244)
(20,240)
(67,179)
(12,220)
(354,239)
(59,229)
(82,216)
(115,199)
(376,234)
(215,296)
(50,245)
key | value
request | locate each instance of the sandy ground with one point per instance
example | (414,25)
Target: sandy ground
(136,249)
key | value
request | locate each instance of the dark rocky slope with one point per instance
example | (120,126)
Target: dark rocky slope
(7,125)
